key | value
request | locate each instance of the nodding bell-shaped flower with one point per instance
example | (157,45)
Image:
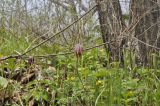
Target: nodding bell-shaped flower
(78,49)
(31,60)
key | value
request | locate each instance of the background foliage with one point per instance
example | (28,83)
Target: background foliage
(53,80)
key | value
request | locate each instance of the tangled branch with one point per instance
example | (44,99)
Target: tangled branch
(61,31)
(51,55)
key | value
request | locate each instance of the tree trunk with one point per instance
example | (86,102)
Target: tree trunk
(146,14)
(112,24)
(158,39)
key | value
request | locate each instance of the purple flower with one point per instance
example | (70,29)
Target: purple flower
(78,49)
(31,61)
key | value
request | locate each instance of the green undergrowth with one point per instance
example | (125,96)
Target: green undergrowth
(56,82)
(11,44)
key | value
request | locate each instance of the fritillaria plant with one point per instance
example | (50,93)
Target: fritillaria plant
(78,50)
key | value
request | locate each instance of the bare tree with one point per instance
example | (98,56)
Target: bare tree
(146,14)
(112,24)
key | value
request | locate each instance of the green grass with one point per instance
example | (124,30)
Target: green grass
(105,84)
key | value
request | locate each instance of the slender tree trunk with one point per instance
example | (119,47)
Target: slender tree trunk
(158,39)
(146,14)
(112,24)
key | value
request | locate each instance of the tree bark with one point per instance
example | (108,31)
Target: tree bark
(146,14)
(112,24)
(158,39)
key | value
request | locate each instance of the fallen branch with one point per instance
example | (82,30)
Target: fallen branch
(57,32)
(21,55)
